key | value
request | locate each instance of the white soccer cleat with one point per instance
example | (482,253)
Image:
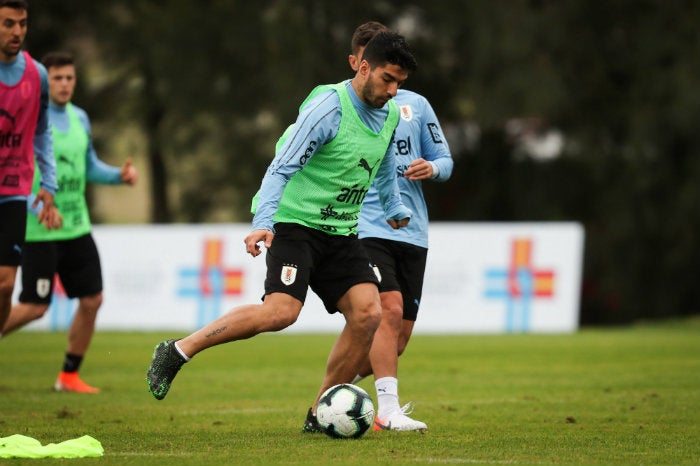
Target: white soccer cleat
(399,421)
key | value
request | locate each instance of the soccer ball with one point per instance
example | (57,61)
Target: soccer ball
(345,411)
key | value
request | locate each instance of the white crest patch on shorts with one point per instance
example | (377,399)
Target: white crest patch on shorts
(43,286)
(289,274)
(376,272)
(406,112)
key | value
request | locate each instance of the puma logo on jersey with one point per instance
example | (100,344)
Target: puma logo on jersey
(364,164)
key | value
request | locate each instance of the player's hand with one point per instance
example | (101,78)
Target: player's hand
(129,174)
(396,224)
(252,241)
(419,169)
(49,216)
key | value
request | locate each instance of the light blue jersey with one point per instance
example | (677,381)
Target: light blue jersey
(10,74)
(316,125)
(418,135)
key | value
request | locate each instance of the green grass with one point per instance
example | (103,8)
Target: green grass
(600,396)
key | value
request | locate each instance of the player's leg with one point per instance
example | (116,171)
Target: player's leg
(346,284)
(362,311)
(277,312)
(289,265)
(285,291)
(7,286)
(383,355)
(21,314)
(80,335)
(82,328)
(38,269)
(405,334)
(402,267)
(386,337)
(80,272)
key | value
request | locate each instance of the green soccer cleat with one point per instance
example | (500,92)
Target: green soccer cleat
(164,367)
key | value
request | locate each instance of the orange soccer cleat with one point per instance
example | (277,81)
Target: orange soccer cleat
(71,382)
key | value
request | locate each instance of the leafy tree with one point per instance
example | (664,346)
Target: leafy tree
(209,86)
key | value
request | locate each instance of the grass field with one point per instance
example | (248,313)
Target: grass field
(600,396)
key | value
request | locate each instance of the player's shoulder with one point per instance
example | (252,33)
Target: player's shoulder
(39,66)
(321,98)
(404,96)
(79,110)
(41,69)
(82,115)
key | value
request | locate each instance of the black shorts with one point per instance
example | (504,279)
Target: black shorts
(401,268)
(301,257)
(13,227)
(76,262)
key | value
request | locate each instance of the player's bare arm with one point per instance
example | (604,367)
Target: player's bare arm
(253,240)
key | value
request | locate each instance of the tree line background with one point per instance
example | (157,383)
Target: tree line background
(555,110)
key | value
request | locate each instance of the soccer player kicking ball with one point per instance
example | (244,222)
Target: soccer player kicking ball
(306,217)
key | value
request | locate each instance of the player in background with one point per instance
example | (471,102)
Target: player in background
(24,136)
(69,251)
(306,216)
(422,154)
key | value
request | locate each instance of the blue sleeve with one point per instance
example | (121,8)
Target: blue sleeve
(316,125)
(434,145)
(388,188)
(43,139)
(96,171)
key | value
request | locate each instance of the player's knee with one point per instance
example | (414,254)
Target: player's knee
(286,317)
(91,303)
(393,314)
(282,316)
(369,316)
(392,309)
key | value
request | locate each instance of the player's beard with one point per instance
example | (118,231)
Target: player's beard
(10,51)
(372,98)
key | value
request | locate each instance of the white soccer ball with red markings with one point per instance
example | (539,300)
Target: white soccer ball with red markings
(345,411)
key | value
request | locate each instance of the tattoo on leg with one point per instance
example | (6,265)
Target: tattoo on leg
(216,332)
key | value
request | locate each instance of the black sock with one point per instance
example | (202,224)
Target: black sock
(72,362)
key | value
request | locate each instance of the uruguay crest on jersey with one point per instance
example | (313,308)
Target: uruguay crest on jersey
(406,112)
(289,274)
(43,286)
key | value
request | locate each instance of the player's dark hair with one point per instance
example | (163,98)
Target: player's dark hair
(16,4)
(364,33)
(57,59)
(389,47)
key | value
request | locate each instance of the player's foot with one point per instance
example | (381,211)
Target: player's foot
(164,367)
(71,382)
(398,420)
(310,424)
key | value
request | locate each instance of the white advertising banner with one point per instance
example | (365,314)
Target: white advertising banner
(480,278)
